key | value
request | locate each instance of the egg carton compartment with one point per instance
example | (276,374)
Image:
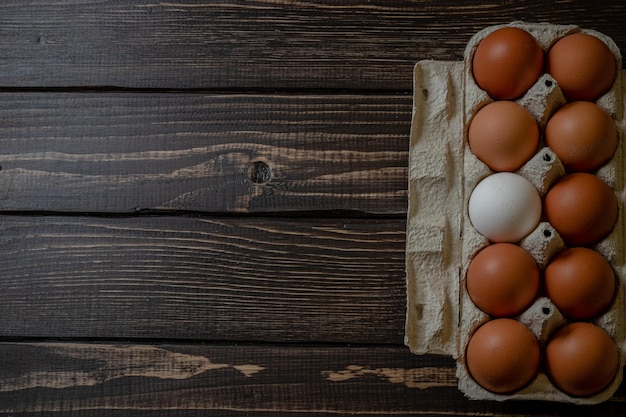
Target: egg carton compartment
(441,241)
(541,100)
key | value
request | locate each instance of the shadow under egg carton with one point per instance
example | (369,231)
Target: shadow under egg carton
(441,241)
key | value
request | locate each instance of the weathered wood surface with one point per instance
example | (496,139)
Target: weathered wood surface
(85,379)
(260,44)
(255,279)
(262,147)
(122,152)
(223,380)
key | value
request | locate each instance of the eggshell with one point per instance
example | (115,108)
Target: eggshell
(504,135)
(580,282)
(441,239)
(582,65)
(503,280)
(583,136)
(507,63)
(582,208)
(581,359)
(504,207)
(503,356)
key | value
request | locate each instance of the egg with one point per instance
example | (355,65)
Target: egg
(582,135)
(581,359)
(504,135)
(582,65)
(504,207)
(580,282)
(582,208)
(502,280)
(507,62)
(503,356)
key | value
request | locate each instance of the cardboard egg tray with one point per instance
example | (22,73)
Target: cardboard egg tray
(441,241)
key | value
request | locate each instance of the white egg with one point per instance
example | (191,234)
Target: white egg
(505,207)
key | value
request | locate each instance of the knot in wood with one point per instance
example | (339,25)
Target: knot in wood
(259,172)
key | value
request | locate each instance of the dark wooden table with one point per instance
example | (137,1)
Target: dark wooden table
(204,202)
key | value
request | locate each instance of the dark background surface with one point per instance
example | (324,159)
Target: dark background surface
(203,205)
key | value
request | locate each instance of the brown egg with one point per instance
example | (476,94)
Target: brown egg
(507,62)
(583,136)
(582,65)
(581,359)
(504,135)
(580,282)
(582,208)
(503,280)
(503,356)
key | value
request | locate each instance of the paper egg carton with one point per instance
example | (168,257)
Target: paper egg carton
(441,241)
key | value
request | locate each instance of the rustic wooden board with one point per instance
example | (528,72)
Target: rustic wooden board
(260,44)
(242,279)
(270,137)
(82,379)
(122,152)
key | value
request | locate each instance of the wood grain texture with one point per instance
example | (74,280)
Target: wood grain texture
(58,378)
(231,120)
(122,152)
(211,278)
(261,44)
(81,379)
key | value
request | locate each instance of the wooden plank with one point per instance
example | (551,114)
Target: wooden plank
(212,153)
(78,379)
(237,279)
(235,44)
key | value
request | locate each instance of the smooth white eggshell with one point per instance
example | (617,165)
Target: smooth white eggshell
(504,207)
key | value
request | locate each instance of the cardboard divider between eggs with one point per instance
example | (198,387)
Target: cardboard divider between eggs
(441,241)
